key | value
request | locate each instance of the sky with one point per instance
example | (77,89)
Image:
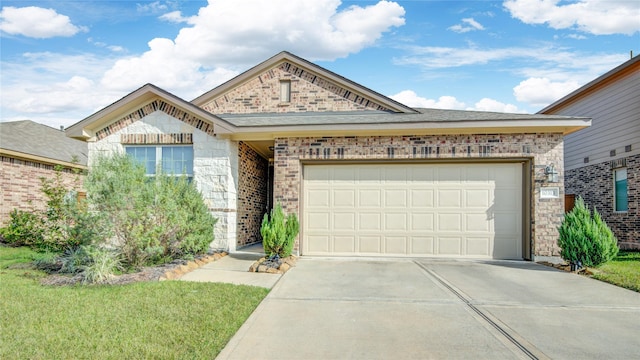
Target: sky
(61,61)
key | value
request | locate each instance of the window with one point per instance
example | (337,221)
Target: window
(621,202)
(285,91)
(171,160)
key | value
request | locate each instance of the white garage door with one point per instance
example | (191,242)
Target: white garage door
(453,210)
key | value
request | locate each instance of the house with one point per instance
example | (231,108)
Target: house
(30,151)
(602,163)
(366,175)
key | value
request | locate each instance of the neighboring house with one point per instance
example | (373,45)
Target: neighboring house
(366,175)
(28,152)
(602,163)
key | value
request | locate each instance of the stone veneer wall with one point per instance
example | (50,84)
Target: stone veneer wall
(215,163)
(595,184)
(252,194)
(21,184)
(308,93)
(542,149)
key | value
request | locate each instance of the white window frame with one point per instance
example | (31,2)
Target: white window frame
(285,91)
(158,149)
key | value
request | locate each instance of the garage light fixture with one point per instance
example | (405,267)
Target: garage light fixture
(551,173)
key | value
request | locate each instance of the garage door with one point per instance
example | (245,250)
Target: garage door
(452,210)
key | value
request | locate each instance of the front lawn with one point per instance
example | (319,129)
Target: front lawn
(159,320)
(623,270)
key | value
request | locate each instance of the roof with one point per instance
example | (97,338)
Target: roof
(144,95)
(42,143)
(625,68)
(308,66)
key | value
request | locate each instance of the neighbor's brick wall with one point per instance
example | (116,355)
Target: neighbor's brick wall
(595,184)
(20,184)
(308,93)
(252,194)
(542,149)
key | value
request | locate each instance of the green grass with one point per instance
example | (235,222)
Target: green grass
(623,270)
(159,320)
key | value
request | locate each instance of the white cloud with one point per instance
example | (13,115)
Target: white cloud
(410,98)
(174,17)
(229,35)
(598,17)
(543,91)
(36,22)
(153,8)
(469,25)
(486,104)
(576,36)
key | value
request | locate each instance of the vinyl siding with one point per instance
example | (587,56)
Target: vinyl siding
(615,112)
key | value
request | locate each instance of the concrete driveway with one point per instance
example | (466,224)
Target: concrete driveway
(422,309)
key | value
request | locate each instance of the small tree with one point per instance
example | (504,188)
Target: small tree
(585,237)
(279,233)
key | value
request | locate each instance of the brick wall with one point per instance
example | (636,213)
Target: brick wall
(252,194)
(540,149)
(595,184)
(309,92)
(20,184)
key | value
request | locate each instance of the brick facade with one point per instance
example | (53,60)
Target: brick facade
(252,194)
(595,184)
(21,184)
(309,92)
(539,149)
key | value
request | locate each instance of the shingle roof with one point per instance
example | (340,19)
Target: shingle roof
(36,139)
(378,117)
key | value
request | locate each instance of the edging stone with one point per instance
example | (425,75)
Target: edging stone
(177,272)
(287,263)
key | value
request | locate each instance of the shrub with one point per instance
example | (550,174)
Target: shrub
(278,233)
(103,264)
(585,237)
(154,219)
(23,229)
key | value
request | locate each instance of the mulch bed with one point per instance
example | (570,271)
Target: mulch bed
(567,268)
(273,266)
(172,270)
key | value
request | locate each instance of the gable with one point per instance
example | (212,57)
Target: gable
(312,89)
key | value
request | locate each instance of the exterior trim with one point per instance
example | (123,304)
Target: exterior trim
(40,159)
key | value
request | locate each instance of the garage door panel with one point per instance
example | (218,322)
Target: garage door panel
(344,221)
(478,198)
(451,198)
(344,198)
(468,210)
(478,246)
(422,245)
(395,198)
(317,221)
(449,222)
(370,221)
(396,245)
(449,245)
(318,197)
(370,198)
(344,244)
(477,222)
(421,198)
(318,244)
(422,222)
(370,244)
(395,221)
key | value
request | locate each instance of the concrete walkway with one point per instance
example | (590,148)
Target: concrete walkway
(234,269)
(434,309)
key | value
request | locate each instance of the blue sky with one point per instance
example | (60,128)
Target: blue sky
(63,60)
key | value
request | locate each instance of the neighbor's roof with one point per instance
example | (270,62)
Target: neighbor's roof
(37,142)
(616,73)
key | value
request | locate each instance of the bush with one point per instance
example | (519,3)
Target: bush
(585,237)
(278,233)
(154,220)
(103,264)
(24,229)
